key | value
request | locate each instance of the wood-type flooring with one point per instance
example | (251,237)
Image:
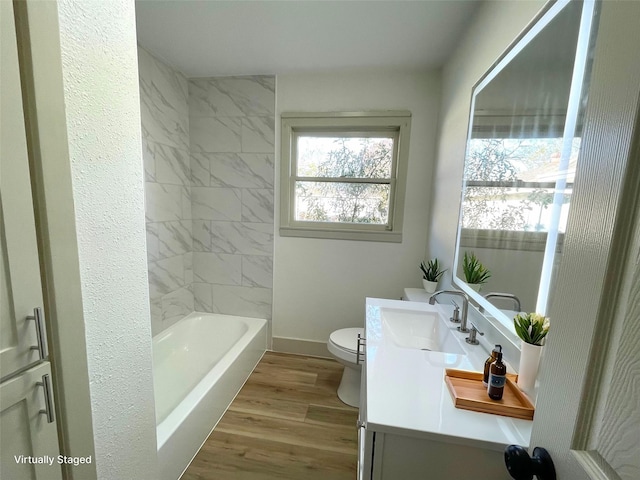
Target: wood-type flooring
(286,423)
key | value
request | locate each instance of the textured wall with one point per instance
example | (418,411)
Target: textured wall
(100,74)
(165,134)
(232,173)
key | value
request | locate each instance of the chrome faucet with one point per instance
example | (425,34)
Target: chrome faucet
(511,296)
(465,306)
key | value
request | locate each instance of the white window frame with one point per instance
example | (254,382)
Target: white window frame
(396,124)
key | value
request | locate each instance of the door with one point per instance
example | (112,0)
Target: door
(588,409)
(29,437)
(20,284)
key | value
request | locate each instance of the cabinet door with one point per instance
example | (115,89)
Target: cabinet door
(28,434)
(20,284)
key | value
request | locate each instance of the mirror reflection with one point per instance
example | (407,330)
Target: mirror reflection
(520,164)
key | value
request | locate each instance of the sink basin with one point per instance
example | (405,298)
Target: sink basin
(418,329)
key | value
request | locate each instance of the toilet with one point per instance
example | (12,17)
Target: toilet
(343,345)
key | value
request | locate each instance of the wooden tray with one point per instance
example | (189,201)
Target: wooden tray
(469,393)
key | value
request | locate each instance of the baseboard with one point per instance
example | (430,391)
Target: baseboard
(301,347)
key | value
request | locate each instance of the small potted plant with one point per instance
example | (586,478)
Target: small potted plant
(431,273)
(532,328)
(475,273)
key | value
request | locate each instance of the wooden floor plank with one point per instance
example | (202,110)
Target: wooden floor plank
(239,458)
(332,438)
(286,423)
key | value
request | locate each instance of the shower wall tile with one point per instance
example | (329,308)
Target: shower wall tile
(163,202)
(187,260)
(245,301)
(257,271)
(156,315)
(219,134)
(149,162)
(172,165)
(163,102)
(258,134)
(165,276)
(165,127)
(240,170)
(217,268)
(200,170)
(257,205)
(232,137)
(232,96)
(174,238)
(202,297)
(187,200)
(216,203)
(153,242)
(176,305)
(201,230)
(242,238)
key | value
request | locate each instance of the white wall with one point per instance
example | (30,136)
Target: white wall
(495,27)
(321,285)
(100,74)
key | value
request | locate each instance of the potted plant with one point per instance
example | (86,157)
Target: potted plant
(532,328)
(475,273)
(431,273)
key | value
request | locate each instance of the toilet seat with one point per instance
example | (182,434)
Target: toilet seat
(347,339)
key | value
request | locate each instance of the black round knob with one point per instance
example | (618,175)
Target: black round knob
(522,467)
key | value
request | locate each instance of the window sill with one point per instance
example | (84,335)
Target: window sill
(369,236)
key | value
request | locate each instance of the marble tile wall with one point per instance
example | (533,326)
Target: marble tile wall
(165,139)
(231,127)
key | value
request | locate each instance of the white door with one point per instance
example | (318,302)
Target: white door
(588,409)
(28,433)
(20,284)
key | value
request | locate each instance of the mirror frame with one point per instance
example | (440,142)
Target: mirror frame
(546,15)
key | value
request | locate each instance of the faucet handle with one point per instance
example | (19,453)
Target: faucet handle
(471,339)
(455,318)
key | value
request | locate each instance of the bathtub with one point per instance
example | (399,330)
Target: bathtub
(199,365)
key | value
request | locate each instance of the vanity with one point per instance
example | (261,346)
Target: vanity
(408,425)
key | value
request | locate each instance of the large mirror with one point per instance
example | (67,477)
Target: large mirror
(520,163)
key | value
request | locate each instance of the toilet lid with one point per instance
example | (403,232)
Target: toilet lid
(347,338)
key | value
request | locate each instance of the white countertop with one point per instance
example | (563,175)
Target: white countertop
(407,394)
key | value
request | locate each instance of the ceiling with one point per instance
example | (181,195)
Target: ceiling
(241,37)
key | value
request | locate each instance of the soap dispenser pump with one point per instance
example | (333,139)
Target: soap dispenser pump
(487,365)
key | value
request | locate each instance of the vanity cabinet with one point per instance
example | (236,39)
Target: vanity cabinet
(408,426)
(391,456)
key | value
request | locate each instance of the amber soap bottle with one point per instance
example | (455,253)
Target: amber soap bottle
(497,378)
(487,365)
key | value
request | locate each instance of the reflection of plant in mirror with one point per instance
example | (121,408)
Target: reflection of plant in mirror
(531,327)
(431,271)
(475,273)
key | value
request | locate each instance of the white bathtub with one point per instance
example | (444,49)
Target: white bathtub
(199,365)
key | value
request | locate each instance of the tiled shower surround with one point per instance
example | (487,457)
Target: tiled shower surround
(209,163)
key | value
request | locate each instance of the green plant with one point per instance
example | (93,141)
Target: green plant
(475,273)
(431,271)
(531,327)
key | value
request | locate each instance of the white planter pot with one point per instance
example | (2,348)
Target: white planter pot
(429,287)
(529,363)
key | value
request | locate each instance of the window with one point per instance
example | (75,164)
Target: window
(343,175)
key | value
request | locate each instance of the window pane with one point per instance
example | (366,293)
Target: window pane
(519,209)
(342,202)
(350,157)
